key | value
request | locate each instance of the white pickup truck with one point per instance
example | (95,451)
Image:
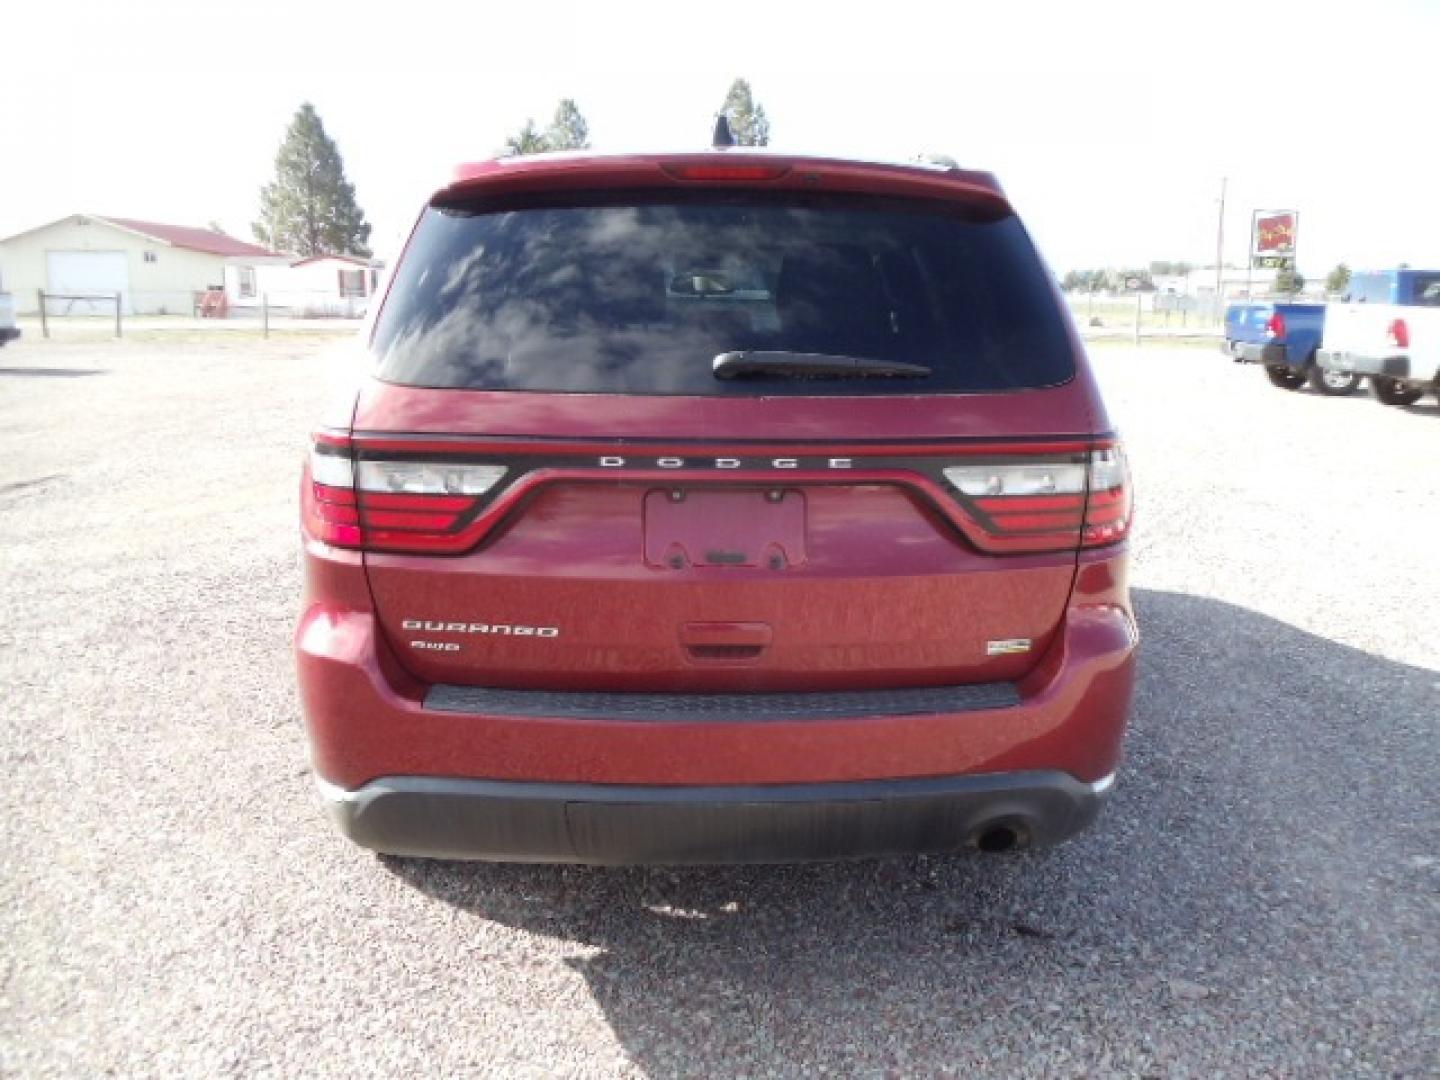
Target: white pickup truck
(1387,327)
(8,330)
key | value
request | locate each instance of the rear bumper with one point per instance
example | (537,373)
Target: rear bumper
(624,824)
(1394,367)
(1269,354)
(365,722)
(417,769)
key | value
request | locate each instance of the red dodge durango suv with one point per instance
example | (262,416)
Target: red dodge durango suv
(716,507)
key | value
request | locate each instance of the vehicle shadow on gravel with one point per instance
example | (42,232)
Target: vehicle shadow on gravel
(1238,873)
(1426,406)
(50,372)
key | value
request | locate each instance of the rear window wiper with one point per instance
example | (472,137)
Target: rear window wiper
(811,365)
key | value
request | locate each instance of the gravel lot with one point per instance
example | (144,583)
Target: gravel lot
(1262,896)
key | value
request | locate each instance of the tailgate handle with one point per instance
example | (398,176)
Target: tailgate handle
(725,640)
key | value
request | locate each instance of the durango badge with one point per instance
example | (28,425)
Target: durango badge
(503,629)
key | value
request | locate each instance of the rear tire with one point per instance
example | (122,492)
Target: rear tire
(1333,383)
(1284,378)
(1395,392)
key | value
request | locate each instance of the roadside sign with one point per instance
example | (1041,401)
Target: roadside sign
(1273,233)
(1273,236)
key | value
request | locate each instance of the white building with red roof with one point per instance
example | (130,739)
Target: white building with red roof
(83,261)
(320,286)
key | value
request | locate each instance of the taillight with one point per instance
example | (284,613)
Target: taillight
(1027,505)
(328,504)
(1275,326)
(1399,334)
(391,505)
(1108,502)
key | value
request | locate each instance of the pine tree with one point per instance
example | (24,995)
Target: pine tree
(1289,281)
(528,140)
(309,208)
(748,122)
(568,130)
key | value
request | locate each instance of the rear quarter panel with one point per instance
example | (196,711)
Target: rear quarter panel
(1359,328)
(1304,328)
(1424,326)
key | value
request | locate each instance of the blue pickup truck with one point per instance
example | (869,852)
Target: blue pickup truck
(1284,338)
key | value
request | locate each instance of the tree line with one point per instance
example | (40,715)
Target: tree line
(310,207)
(1108,279)
(1288,281)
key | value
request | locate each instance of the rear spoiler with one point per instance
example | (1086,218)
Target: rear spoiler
(721,169)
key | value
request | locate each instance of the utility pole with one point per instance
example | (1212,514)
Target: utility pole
(1250,258)
(1220,253)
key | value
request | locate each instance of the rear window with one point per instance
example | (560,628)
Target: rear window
(638,295)
(1427,290)
(1371,289)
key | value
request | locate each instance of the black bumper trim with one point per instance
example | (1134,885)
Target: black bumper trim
(599,705)
(1393,367)
(509,821)
(1269,354)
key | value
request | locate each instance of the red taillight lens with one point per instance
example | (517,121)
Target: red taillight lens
(1275,326)
(1108,503)
(726,172)
(391,505)
(1399,334)
(327,503)
(1030,505)
(331,515)
(1024,505)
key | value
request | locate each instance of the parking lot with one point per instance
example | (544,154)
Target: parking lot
(1262,895)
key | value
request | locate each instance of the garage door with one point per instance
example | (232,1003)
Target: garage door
(82,273)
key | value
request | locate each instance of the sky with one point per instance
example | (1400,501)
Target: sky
(1109,124)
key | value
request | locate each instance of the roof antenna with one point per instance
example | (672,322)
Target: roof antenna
(723,136)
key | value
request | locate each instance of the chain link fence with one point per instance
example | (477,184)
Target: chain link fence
(1145,313)
(84,316)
